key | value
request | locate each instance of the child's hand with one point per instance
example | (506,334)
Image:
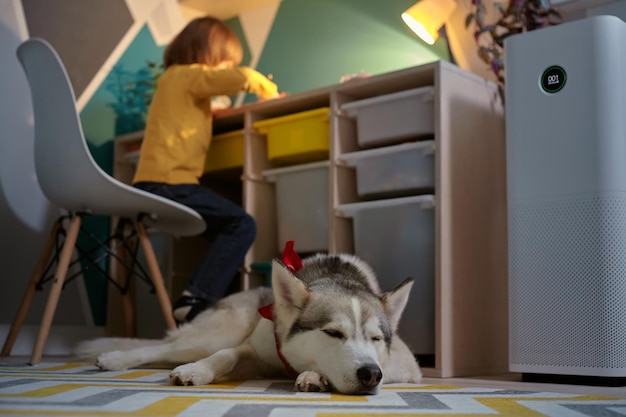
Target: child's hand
(277,95)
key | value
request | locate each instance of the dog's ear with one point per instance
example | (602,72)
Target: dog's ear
(395,300)
(288,290)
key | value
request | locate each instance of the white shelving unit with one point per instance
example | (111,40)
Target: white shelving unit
(470,245)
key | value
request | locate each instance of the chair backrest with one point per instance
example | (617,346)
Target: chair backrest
(62,160)
(67,173)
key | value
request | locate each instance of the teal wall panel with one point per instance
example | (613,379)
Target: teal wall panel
(314,43)
(121,91)
(235,25)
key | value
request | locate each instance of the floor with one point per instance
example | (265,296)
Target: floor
(505,381)
(514,381)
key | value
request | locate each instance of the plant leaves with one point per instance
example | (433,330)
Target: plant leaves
(518,17)
(483,53)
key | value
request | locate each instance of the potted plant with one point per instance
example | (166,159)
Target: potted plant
(133,92)
(518,17)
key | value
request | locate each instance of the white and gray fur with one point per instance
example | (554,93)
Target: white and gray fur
(336,328)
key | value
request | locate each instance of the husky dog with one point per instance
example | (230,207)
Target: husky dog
(330,327)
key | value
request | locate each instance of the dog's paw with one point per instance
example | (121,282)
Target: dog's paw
(311,381)
(191,374)
(112,361)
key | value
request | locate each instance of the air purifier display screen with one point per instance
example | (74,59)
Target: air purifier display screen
(553,79)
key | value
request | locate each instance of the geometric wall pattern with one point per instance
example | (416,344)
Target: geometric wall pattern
(284,39)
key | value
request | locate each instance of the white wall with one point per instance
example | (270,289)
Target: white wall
(20,191)
(579,9)
(23,209)
(616,8)
(25,214)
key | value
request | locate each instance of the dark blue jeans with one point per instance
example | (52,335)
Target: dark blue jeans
(230,230)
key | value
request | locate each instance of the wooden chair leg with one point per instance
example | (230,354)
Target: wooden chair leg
(121,273)
(55,291)
(27,299)
(155,274)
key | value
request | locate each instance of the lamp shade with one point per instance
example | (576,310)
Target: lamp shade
(426,17)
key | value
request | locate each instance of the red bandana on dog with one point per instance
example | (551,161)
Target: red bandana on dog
(292,261)
(290,257)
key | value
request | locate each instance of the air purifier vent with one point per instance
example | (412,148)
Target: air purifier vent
(568,257)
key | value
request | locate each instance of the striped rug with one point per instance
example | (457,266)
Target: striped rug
(79,389)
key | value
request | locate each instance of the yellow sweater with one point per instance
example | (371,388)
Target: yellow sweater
(179,126)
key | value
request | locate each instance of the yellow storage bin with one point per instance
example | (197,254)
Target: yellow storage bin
(225,152)
(297,138)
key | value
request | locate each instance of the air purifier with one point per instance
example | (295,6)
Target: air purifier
(566,175)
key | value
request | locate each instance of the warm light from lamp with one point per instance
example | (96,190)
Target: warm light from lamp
(426,17)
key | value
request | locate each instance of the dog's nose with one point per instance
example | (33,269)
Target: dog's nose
(369,375)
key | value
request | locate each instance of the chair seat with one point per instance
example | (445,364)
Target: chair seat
(108,196)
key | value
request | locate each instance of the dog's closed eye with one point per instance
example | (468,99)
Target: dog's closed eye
(334,333)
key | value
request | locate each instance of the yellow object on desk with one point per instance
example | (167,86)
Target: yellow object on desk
(225,152)
(297,138)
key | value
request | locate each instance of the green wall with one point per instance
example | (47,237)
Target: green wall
(313,43)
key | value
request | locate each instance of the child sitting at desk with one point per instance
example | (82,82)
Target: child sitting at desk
(201,62)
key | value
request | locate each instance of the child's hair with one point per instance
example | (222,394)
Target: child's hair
(205,40)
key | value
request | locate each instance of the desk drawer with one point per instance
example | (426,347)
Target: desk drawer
(225,152)
(393,118)
(297,138)
(394,171)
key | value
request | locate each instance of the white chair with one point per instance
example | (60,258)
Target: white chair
(71,179)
